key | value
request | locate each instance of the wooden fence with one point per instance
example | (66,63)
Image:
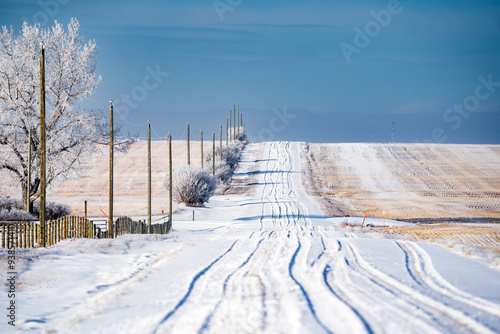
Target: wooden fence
(125,225)
(26,234)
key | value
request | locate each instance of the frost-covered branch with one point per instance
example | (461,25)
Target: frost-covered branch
(70,78)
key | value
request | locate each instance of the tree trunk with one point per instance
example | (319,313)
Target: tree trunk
(25,197)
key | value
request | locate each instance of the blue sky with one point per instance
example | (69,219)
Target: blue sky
(415,63)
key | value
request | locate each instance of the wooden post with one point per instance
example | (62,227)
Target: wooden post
(201,139)
(227,132)
(149,178)
(234,122)
(32,234)
(188,152)
(213,153)
(238,123)
(85,209)
(43,158)
(170,180)
(111,144)
(220,143)
(230,124)
(24,234)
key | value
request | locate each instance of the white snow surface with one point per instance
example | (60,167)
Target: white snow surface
(268,263)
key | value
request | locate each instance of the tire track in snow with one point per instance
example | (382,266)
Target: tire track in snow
(303,290)
(206,322)
(448,316)
(191,288)
(420,267)
(104,296)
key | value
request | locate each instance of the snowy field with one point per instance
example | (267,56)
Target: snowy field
(130,179)
(396,181)
(271,263)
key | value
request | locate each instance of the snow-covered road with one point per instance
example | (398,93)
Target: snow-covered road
(249,264)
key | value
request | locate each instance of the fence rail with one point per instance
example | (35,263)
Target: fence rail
(27,234)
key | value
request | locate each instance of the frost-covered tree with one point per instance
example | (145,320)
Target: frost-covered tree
(69,78)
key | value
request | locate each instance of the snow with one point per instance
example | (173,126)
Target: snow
(270,262)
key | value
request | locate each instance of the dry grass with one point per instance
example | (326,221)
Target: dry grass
(130,179)
(405,181)
(482,238)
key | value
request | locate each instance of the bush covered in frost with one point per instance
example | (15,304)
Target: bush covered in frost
(12,209)
(15,214)
(230,157)
(53,210)
(223,172)
(191,185)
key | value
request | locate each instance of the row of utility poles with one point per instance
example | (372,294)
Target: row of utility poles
(111,158)
(232,134)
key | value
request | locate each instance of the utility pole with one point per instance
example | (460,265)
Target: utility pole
(189,153)
(169,182)
(43,158)
(227,132)
(201,139)
(213,153)
(149,177)
(28,183)
(111,144)
(220,142)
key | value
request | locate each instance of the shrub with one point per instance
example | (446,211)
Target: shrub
(15,214)
(53,210)
(222,172)
(191,185)
(12,209)
(230,157)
